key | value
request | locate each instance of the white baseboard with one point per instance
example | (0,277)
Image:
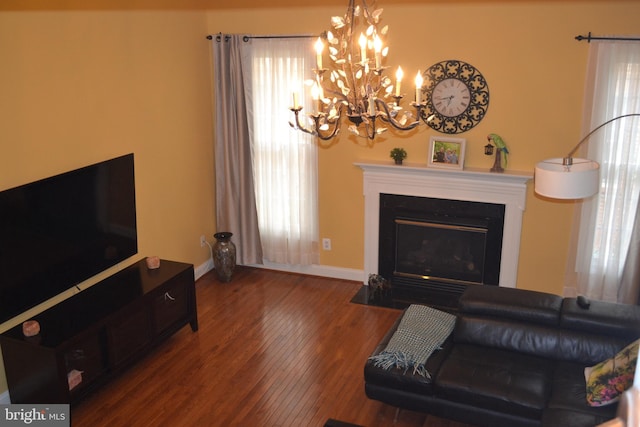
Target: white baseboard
(5,399)
(317,270)
(312,270)
(203,269)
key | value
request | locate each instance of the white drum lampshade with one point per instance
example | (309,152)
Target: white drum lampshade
(554,180)
(569,178)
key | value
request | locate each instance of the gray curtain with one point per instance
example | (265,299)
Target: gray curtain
(235,197)
(629,290)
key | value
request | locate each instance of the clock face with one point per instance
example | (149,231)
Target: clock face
(451,97)
(457,96)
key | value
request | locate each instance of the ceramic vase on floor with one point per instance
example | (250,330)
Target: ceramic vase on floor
(224,256)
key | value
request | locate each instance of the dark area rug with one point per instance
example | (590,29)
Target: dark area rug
(335,423)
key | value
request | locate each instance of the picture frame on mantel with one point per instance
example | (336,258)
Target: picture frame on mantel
(446,152)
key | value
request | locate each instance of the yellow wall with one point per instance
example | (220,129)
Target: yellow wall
(77,87)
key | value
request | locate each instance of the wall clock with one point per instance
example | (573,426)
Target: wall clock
(457,96)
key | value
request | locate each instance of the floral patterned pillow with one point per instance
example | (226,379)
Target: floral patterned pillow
(607,380)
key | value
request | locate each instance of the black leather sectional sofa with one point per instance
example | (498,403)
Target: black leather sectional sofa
(515,358)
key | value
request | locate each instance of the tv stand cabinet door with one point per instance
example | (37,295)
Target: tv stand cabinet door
(173,306)
(129,334)
(170,308)
(86,356)
(33,374)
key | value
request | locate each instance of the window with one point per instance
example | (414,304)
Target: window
(284,160)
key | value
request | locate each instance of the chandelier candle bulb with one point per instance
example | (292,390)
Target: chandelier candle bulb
(319,49)
(363,48)
(377,47)
(418,87)
(399,76)
(315,95)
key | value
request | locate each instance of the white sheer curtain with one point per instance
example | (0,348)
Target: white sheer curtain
(284,160)
(604,236)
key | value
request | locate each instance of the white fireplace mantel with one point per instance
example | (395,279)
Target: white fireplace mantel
(471,184)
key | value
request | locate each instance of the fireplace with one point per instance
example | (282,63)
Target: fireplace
(438,247)
(486,200)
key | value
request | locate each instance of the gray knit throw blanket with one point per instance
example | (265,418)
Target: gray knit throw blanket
(421,331)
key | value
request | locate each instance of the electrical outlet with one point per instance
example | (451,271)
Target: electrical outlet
(203,241)
(326,244)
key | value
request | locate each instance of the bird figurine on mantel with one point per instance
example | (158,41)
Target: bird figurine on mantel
(501,153)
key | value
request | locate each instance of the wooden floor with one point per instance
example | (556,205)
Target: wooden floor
(273,349)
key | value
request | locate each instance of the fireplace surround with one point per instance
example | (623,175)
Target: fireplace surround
(506,191)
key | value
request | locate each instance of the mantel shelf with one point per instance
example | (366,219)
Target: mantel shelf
(508,176)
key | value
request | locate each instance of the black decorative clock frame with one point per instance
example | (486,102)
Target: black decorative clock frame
(457,96)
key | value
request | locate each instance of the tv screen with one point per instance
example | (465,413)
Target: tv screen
(62,230)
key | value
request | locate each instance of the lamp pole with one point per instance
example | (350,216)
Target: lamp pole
(568,161)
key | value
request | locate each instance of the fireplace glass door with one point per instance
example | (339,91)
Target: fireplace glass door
(443,252)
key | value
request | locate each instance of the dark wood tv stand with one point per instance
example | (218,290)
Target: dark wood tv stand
(98,332)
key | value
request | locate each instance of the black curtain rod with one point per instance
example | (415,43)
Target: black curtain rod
(589,37)
(218,37)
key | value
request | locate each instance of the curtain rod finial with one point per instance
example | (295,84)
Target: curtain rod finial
(587,38)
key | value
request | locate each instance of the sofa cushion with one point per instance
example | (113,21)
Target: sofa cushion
(510,303)
(586,348)
(507,334)
(569,394)
(495,379)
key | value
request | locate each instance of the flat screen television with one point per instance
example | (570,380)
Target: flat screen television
(59,231)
